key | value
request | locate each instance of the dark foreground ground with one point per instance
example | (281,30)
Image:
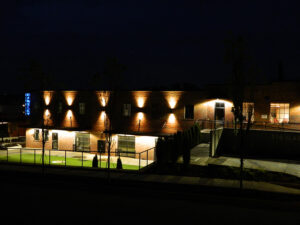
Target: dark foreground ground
(61,200)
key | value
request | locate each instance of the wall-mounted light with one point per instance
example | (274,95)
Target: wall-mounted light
(103,101)
(47,113)
(70,97)
(141,102)
(103,116)
(103,97)
(140,115)
(47,97)
(172,118)
(69,116)
(172,102)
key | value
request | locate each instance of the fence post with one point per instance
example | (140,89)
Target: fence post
(65,158)
(100,159)
(139,161)
(81,159)
(34,155)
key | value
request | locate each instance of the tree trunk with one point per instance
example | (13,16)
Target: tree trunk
(241,155)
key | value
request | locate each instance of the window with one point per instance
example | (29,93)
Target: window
(46,135)
(82,141)
(189,112)
(279,112)
(126,109)
(81,108)
(60,106)
(126,145)
(248,109)
(36,135)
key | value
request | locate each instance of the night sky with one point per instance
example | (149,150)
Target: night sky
(160,42)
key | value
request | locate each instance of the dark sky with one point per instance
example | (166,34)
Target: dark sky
(160,42)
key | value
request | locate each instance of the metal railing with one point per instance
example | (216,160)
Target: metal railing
(214,124)
(67,158)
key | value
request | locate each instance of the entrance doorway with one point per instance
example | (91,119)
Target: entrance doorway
(220,112)
(55,141)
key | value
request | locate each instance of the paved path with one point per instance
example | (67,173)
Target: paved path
(199,156)
(153,178)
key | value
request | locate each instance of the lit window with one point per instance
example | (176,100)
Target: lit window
(126,109)
(279,112)
(126,145)
(248,110)
(81,108)
(36,135)
(189,112)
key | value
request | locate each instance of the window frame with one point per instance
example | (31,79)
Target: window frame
(126,106)
(281,112)
(81,108)
(36,135)
(245,110)
(193,112)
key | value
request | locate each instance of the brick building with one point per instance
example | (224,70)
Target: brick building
(79,120)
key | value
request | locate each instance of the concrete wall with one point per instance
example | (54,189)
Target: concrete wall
(261,144)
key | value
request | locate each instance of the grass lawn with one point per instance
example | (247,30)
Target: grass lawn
(59,160)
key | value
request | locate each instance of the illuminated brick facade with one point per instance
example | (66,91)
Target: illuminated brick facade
(149,114)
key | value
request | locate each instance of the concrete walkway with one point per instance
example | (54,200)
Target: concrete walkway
(152,178)
(199,156)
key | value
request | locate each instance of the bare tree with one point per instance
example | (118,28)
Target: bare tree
(112,77)
(34,79)
(236,56)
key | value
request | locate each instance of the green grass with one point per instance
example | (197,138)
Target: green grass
(29,158)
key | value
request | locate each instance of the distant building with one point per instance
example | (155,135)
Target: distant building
(12,117)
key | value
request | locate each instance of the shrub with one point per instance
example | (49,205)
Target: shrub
(119,163)
(186,148)
(95,161)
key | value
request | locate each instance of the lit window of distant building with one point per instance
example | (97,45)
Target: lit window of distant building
(279,112)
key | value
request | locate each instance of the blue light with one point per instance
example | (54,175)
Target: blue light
(27,104)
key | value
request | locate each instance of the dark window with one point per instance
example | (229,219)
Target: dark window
(36,134)
(81,108)
(46,135)
(220,105)
(101,146)
(126,109)
(189,112)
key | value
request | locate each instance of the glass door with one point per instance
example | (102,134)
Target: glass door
(55,141)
